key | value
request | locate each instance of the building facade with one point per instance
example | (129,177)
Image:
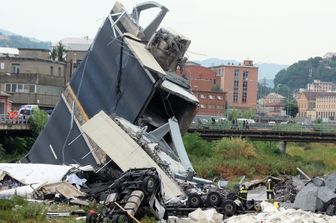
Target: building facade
(206,87)
(326,106)
(5,103)
(240,82)
(31,77)
(306,102)
(211,103)
(76,50)
(321,86)
(273,104)
(317,105)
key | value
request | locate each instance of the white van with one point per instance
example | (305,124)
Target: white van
(27,110)
(248,120)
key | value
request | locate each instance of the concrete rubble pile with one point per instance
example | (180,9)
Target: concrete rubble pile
(270,213)
(318,195)
(294,192)
(42,181)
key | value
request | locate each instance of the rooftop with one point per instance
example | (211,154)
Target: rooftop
(77,44)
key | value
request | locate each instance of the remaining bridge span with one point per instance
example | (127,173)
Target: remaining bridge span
(267,135)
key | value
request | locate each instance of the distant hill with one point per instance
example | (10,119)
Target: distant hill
(266,70)
(299,74)
(9,39)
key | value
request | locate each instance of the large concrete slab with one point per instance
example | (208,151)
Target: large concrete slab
(123,150)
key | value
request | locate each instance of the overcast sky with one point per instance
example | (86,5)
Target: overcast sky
(282,31)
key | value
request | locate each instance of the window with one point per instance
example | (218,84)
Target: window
(51,70)
(32,88)
(219,106)
(244,95)
(59,71)
(15,68)
(220,72)
(202,106)
(245,75)
(8,87)
(245,79)
(219,97)
(13,87)
(236,74)
(202,96)
(20,88)
(211,97)
(235,90)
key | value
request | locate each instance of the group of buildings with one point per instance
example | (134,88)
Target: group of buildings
(224,87)
(317,101)
(30,76)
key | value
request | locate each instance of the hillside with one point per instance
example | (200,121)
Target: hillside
(266,70)
(299,74)
(8,39)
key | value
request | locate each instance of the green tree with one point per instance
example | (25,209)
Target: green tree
(235,113)
(38,120)
(299,74)
(58,52)
(291,107)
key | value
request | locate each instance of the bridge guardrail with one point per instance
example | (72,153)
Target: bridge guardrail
(289,127)
(7,119)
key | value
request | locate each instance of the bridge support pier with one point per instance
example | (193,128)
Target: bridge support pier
(282,146)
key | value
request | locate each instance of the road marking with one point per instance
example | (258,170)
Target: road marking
(53,152)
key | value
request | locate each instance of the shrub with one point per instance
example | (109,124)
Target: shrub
(234,148)
(196,146)
(38,120)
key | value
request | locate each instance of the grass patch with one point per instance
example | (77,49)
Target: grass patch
(232,158)
(19,210)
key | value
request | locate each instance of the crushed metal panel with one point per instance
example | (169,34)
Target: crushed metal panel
(177,90)
(123,150)
(179,146)
(144,56)
(64,188)
(23,191)
(28,173)
(257,193)
(48,148)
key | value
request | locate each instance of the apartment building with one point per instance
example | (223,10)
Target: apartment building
(31,77)
(206,87)
(273,104)
(326,106)
(321,86)
(240,82)
(306,101)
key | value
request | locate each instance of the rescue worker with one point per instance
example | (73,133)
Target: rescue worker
(270,189)
(243,196)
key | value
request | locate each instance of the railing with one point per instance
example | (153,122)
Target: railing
(288,127)
(7,119)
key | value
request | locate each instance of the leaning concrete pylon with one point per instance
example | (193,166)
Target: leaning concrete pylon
(128,72)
